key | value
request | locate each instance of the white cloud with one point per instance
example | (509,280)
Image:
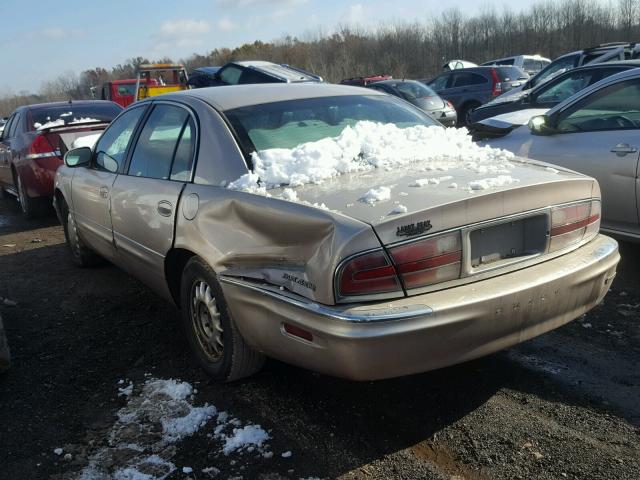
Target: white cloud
(356,13)
(254,3)
(184,27)
(54,33)
(225,25)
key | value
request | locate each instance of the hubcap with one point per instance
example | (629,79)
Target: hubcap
(205,318)
(22,196)
(72,231)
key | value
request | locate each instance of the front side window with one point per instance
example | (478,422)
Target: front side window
(112,146)
(616,107)
(564,88)
(293,122)
(159,142)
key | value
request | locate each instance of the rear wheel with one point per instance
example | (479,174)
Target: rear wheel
(211,332)
(81,255)
(31,207)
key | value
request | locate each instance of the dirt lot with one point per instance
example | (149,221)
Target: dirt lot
(566,405)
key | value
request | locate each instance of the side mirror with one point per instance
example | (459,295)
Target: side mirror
(526,98)
(542,125)
(78,157)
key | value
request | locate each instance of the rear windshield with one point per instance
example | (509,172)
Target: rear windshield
(509,74)
(413,90)
(60,115)
(293,122)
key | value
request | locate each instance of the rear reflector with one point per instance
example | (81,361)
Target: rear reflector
(297,332)
(371,273)
(425,262)
(573,223)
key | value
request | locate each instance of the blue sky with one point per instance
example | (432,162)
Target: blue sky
(42,39)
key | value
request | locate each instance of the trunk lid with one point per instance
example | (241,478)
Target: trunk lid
(407,203)
(62,138)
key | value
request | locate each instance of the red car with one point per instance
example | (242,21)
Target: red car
(34,141)
(123,92)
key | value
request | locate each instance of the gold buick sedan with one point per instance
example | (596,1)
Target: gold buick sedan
(335,228)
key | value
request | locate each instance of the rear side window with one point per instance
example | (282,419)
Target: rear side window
(15,127)
(465,79)
(509,74)
(161,140)
(251,76)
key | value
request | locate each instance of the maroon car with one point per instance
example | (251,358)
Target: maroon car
(35,139)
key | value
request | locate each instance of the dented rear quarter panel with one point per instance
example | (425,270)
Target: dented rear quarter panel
(287,244)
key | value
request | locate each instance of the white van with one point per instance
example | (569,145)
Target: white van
(531,64)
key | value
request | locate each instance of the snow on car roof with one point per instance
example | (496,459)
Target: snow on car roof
(235,96)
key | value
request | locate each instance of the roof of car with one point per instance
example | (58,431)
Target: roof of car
(282,71)
(34,106)
(235,96)
(617,63)
(206,70)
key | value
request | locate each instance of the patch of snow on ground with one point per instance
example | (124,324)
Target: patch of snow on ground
(86,141)
(379,194)
(249,437)
(139,445)
(369,145)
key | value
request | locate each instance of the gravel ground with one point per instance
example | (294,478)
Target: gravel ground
(565,405)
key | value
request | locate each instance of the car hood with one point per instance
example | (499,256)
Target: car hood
(511,119)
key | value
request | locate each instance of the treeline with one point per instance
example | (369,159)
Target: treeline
(411,50)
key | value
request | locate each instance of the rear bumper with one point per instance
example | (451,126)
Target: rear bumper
(38,175)
(429,331)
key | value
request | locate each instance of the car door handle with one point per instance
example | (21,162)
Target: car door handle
(104,192)
(623,148)
(165,208)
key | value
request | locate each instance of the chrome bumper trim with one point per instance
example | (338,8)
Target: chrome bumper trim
(407,312)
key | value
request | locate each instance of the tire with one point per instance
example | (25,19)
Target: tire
(31,207)
(211,332)
(465,112)
(81,255)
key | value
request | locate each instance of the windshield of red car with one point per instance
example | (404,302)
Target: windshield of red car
(293,122)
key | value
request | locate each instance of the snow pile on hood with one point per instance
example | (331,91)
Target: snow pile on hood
(369,145)
(486,183)
(86,141)
(374,195)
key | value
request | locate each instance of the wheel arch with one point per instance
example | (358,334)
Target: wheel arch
(174,263)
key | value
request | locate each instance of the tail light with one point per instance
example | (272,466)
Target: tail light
(497,85)
(450,105)
(368,274)
(41,148)
(425,262)
(573,223)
